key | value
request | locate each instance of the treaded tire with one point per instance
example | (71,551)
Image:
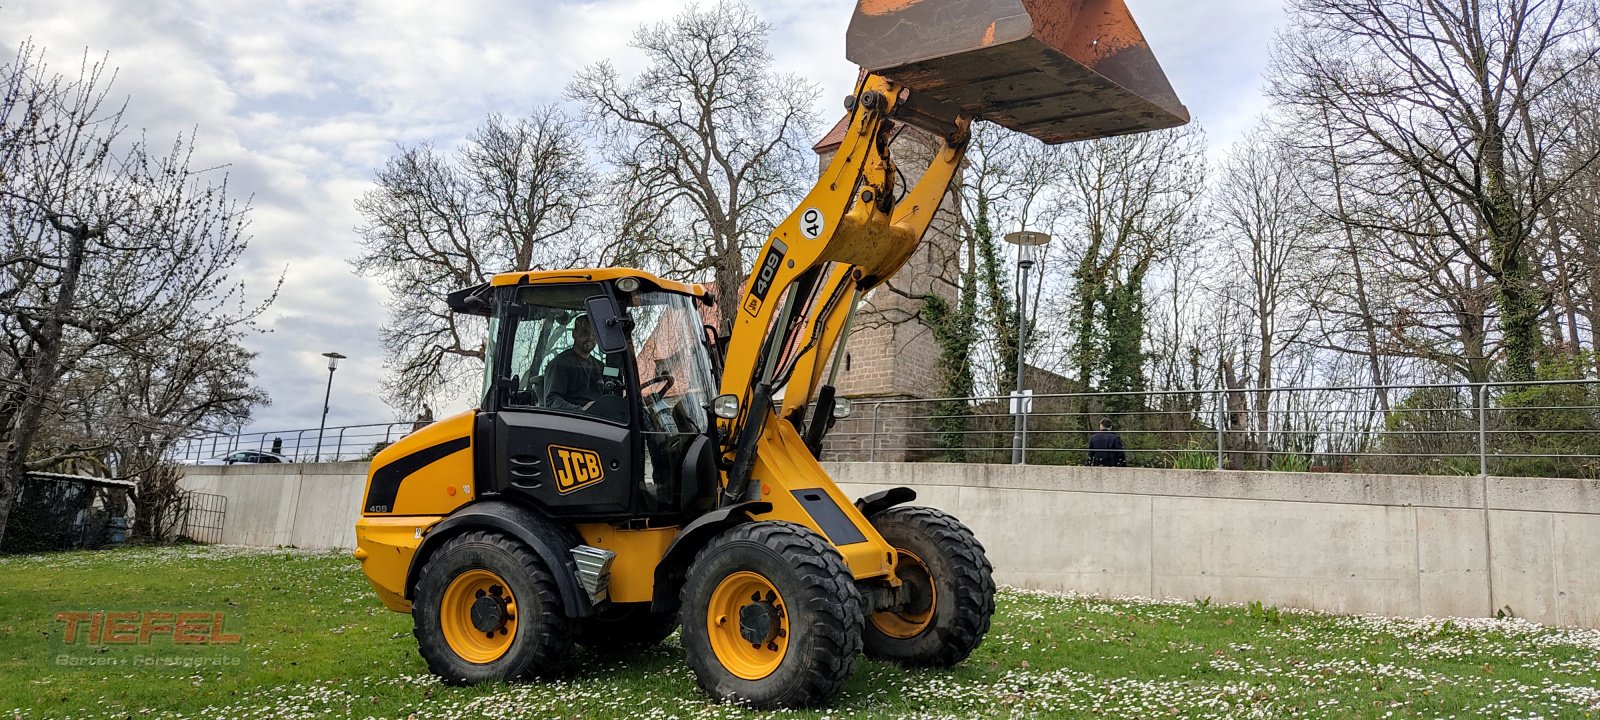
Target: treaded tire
(821,601)
(963,585)
(543,636)
(625,627)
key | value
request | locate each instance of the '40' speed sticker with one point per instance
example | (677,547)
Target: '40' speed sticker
(812,223)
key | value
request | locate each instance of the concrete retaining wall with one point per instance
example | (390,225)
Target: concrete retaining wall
(1395,545)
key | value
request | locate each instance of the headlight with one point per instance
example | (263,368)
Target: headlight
(842,408)
(725,406)
(628,284)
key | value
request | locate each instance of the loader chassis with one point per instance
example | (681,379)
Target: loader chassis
(627,474)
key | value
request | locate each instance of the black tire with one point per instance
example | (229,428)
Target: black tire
(962,583)
(625,627)
(543,634)
(816,598)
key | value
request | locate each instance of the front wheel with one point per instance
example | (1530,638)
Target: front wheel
(771,617)
(487,609)
(949,590)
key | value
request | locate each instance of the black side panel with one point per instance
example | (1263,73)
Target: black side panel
(386,480)
(572,467)
(834,523)
(551,541)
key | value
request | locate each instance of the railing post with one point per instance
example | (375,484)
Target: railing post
(1483,430)
(338,449)
(1022,439)
(872,450)
(1222,422)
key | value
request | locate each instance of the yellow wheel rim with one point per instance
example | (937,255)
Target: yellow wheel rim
(917,615)
(748,624)
(479,616)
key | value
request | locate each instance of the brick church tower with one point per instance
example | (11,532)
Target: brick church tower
(892,354)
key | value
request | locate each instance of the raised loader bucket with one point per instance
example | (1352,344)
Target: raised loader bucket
(1058,70)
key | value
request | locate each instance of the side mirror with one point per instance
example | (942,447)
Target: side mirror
(611,326)
(471,301)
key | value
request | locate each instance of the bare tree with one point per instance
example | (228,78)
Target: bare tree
(710,146)
(520,194)
(1011,182)
(1128,203)
(1433,100)
(106,248)
(1267,244)
(1397,293)
(1575,235)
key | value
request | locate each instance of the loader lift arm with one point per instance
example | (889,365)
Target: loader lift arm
(846,237)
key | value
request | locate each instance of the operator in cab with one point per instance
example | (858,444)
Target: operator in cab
(575,378)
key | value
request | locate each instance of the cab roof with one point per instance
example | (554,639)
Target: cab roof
(572,275)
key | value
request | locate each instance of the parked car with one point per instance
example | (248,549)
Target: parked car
(248,457)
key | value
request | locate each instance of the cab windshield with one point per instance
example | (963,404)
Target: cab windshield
(676,382)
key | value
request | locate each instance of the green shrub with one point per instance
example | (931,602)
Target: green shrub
(1194,458)
(1269,614)
(1559,423)
(1290,463)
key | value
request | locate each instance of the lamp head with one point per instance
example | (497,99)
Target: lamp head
(1030,245)
(333,360)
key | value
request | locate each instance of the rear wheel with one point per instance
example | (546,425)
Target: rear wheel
(625,627)
(949,590)
(771,617)
(487,609)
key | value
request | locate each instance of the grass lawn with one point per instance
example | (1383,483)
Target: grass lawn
(317,644)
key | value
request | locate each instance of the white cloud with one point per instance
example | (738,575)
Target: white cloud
(303,100)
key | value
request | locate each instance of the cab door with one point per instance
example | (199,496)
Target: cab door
(573,455)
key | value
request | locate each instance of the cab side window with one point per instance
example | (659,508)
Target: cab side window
(553,361)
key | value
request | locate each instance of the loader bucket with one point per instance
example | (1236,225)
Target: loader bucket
(1059,70)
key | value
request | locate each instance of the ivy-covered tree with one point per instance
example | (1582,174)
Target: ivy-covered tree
(1131,199)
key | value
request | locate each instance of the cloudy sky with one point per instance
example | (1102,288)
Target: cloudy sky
(303,100)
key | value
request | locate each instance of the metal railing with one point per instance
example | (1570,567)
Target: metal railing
(1545,428)
(346,442)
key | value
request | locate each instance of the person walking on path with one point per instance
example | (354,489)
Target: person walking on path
(1105,447)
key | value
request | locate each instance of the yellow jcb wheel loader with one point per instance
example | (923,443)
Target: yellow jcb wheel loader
(629,473)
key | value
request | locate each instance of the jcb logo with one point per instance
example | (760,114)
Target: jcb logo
(575,468)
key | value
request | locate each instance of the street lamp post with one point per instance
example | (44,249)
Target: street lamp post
(1030,245)
(333,364)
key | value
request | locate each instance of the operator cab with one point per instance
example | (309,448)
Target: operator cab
(597,393)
